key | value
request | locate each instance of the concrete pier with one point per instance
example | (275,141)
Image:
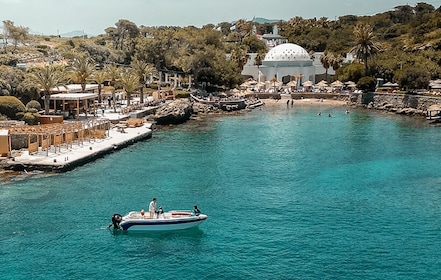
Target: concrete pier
(70,156)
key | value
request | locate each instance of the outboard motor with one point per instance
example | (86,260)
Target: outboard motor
(116,220)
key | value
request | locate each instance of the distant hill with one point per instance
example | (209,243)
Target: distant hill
(264,20)
(77,33)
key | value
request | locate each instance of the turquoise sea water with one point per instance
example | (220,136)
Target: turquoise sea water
(289,194)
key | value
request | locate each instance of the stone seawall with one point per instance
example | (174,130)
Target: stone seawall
(399,103)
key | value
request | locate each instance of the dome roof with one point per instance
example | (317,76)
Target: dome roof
(287,52)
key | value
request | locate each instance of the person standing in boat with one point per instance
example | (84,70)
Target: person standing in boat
(152,208)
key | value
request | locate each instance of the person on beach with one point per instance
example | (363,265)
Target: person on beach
(152,208)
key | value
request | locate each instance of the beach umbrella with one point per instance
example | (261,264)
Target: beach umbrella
(322,83)
(337,84)
(307,84)
(292,84)
(389,84)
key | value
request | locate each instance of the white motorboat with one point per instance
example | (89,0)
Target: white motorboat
(166,221)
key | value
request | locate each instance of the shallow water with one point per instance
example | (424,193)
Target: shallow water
(289,194)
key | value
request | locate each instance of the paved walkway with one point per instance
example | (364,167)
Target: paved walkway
(69,156)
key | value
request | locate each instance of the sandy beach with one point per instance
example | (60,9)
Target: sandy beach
(304,102)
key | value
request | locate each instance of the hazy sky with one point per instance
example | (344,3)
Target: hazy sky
(52,17)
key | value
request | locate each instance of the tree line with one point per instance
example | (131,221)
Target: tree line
(402,45)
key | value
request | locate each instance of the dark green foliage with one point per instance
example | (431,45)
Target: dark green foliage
(43,49)
(182,94)
(10,106)
(32,110)
(98,53)
(10,79)
(31,118)
(367,83)
(413,78)
(253,44)
(350,72)
(33,104)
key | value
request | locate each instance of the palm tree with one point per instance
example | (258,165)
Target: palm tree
(99,77)
(298,79)
(274,81)
(336,62)
(129,82)
(258,61)
(80,71)
(114,74)
(365,45)
(45,79)
(325,60)
(142,70)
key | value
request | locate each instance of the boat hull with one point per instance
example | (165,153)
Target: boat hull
(167,222)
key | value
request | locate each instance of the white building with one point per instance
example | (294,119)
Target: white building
(282,62)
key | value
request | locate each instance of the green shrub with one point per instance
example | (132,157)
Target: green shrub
(10,106)
(19,115)
(31,119)
(33,104)
(367,83)
(8,59)
(181,94)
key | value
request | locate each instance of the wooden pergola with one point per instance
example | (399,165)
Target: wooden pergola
(59,134)
(77,97)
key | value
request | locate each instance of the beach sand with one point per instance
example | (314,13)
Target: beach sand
(304,102)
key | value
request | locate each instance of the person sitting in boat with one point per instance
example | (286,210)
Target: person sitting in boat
(159,212)
(152,208)
(196,211)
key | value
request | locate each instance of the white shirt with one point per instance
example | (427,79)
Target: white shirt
(152,206)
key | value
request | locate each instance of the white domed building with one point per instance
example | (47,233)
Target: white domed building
(283,62)
(286,60)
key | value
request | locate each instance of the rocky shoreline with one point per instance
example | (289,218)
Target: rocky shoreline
(403,104)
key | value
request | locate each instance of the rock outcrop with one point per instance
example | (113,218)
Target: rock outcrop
(176,112)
